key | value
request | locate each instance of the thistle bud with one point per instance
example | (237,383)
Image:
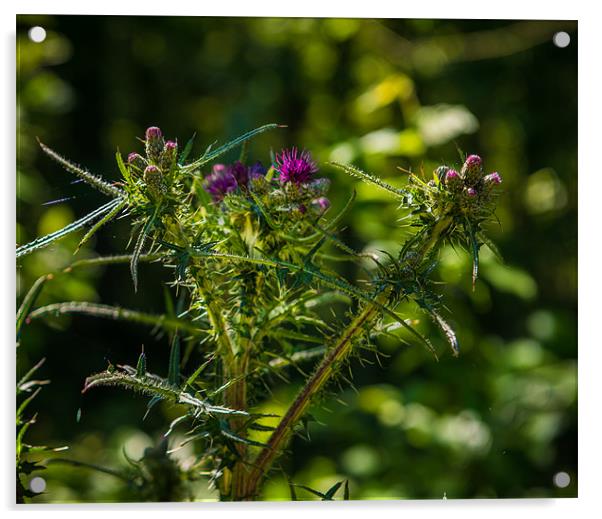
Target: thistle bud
(471,192)
(168,156)
(137,161)
(441,171)
(453,180)
(472,170)
(320,205)
(493,179)
(154,181)
(154,143)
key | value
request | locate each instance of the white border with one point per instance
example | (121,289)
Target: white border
(590,170)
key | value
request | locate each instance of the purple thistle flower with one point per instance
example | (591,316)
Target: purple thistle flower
(473,161)
(294,166)
(220,182)
(493,178)
(257,170)
(240,172)
(471,191)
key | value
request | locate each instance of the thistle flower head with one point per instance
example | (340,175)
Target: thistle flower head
(451,175)
(453,180)
(220,182)
(240,172)
(134,157)
(473,161)
(471,191)
(294,166)
(472,170)
(493,178)
(153,132)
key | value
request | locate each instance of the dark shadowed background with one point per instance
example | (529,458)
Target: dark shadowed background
(500,420)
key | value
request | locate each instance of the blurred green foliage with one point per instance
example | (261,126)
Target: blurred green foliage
(499,421)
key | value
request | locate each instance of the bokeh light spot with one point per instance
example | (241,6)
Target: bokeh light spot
(562,480)
(562,39)
(37,485)
(37,34)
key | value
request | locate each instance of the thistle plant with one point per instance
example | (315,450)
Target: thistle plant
(246,245)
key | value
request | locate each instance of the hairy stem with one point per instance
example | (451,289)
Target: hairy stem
(281,435)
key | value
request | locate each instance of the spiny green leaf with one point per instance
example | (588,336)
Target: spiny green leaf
(186,151)
(25,403)
(372,179)
(105,219)
(141,365)
(115,313)
(114,260)
(154,386)
(29,300)
(93,180)
(492,246)
(139,246)
(74,226)
(212,155)
(25,378)
(197,372)
(332,491)
(124,171)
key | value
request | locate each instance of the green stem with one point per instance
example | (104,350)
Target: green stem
(326,368)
